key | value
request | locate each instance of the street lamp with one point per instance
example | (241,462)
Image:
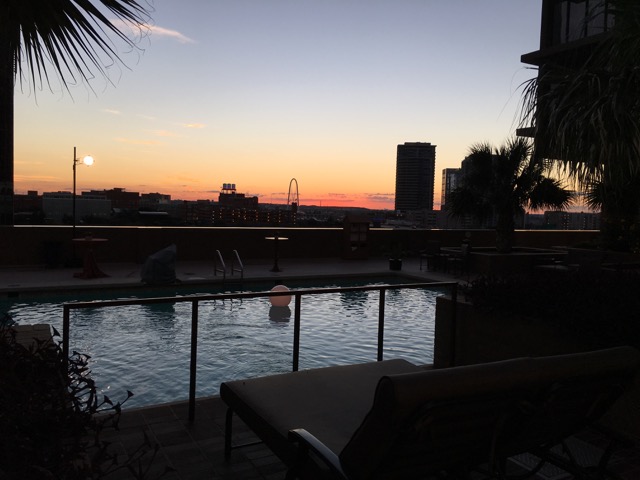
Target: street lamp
(87,160)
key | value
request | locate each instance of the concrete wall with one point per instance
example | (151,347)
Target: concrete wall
(52,246)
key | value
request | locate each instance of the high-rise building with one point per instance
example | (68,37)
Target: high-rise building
(415,176)
(450,178)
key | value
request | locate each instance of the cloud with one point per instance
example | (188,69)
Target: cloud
(29,162)
(380,197)
(173,34)
(149,29)
(112,111)
(132,141)
(193,125)
(334,199)
(35,178)
(164,133)
(184,180)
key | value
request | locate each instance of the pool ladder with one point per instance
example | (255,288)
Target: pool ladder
(239,267)
(220,267)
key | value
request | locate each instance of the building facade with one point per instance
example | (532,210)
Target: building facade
(560,220)
(450,177)
(570,25)
(415,177)
(570,30)
(58,205)
(120,198)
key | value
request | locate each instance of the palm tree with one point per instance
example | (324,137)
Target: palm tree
(587,118)
(65,37)
(620,206)
(501,183)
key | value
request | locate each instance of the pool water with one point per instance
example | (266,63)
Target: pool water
(146,348)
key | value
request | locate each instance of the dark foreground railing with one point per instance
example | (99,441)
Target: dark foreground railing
(297,294)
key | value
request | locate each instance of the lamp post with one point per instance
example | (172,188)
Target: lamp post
(87,160)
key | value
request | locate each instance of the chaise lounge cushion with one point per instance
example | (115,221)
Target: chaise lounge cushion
(331,402)
(393,419)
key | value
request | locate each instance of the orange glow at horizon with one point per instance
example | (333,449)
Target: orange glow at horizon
(148,173)
(372,202)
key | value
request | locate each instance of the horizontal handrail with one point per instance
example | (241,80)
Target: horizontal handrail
(232,296)
(297,294)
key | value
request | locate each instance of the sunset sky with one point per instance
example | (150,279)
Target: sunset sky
(258,92)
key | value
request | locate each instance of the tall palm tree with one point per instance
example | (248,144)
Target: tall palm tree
(501,183)
(587,117)
(66,38)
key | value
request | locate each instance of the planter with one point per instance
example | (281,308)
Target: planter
(395,264)
(482,337)
(488,261)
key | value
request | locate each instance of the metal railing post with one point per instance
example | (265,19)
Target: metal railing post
(383,292)
(454,325)
(65,336)
(296,332)
(194,356)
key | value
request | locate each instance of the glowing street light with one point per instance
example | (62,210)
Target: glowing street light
(88,161)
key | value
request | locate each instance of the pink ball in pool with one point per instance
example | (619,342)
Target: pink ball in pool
(280,300)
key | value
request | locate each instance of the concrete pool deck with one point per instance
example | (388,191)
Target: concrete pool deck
(122,275)
(195,450)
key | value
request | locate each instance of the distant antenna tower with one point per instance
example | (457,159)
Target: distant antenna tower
(296,202)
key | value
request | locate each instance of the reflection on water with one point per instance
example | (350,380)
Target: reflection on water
(146,348)
(279,314)
(355,300)
(160,309)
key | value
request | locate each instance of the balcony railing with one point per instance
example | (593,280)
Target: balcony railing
(296,294)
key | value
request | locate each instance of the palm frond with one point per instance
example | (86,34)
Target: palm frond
(501,182)
(72,36)
(549,194)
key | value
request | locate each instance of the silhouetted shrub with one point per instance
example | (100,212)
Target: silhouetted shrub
(51,418)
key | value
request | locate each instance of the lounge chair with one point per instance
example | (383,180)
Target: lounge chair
(459,262)
(432,256)
(393,419)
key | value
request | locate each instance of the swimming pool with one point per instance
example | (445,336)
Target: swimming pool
(146,348)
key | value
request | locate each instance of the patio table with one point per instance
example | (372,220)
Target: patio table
(90,267)
(276,238)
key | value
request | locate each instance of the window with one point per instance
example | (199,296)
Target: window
(576,19)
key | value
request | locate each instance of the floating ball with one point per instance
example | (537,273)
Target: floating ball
(281,300)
